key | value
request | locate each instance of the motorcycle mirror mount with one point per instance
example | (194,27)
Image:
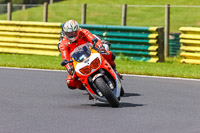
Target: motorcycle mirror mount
(65,62)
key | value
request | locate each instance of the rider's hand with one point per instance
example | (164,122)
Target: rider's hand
(70,69)
(102,49)
(94,41)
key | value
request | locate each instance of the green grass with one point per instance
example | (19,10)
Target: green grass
(30,61)
(108,12)
(171,68)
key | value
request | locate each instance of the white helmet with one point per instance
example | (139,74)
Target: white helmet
(71,30)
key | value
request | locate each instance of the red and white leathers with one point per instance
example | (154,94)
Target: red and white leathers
(66,47)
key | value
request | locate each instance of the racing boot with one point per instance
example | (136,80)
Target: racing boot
(111,61)
(118,74)
(90,97)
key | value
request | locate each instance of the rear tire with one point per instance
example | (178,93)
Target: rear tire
(107,92)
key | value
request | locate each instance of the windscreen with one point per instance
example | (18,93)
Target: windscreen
(81,52)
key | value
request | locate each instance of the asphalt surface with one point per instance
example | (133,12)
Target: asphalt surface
(40,102)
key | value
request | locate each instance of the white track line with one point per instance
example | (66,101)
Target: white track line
(33,69)
(142,76)
(159,77)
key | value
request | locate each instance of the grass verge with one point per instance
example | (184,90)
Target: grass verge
(171,67)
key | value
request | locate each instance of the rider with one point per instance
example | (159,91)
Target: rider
(74,36)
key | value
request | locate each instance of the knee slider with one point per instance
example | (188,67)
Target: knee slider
(69,85)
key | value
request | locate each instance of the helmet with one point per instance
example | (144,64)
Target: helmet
(71,30)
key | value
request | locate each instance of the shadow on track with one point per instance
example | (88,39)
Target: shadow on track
(131,94)
(122,105)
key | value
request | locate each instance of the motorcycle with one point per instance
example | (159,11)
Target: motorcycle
(96,74)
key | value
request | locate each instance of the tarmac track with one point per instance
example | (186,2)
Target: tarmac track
(34,101)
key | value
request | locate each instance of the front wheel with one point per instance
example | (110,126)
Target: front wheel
(107,92)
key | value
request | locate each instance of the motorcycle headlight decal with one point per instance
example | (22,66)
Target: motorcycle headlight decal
(94,65)
(85,70)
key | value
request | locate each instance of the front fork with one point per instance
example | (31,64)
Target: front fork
(102,73)
(108,81)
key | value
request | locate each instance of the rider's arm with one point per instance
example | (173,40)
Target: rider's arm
(65,52)
(89,36)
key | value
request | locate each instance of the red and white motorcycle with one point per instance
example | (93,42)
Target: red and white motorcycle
(96,74)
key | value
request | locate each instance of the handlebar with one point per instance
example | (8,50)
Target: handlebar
(65,62)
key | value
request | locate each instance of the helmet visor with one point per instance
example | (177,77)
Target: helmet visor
(71,35)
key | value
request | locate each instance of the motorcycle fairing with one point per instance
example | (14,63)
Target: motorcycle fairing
(104,65)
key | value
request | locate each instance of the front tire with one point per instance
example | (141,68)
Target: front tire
(107,92)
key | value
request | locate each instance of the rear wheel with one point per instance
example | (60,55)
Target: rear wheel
(107,92)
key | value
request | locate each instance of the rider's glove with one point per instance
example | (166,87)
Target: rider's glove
(102,49)
(70,69)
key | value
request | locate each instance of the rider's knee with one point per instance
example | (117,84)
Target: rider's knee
(70,84)
(74,84)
